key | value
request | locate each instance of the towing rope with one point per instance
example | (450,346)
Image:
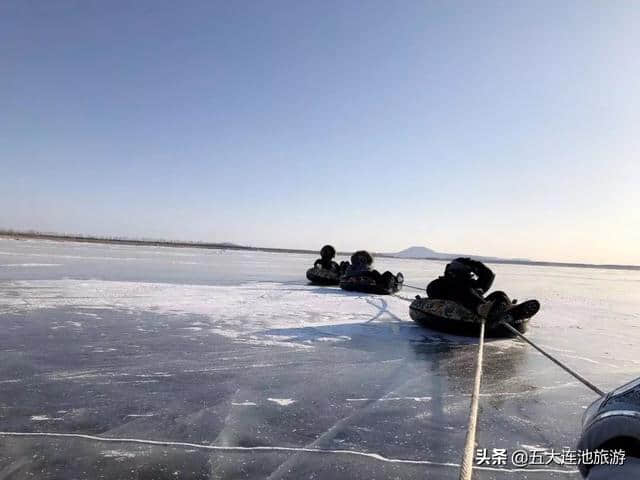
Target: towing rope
(466,467)
(567,369)
(403,298)
(575,374)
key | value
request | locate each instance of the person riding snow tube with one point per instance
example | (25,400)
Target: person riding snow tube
(464,281)
(360,277)
(457,304)
(325,271)
(612,424)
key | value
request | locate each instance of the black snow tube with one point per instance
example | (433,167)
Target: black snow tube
(322,276)
(369,282)
(451,317)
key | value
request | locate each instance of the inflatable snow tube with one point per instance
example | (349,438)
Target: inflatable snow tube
(451,317)
(322,276)
(368,282)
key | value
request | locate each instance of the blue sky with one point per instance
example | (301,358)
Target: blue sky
(495,128)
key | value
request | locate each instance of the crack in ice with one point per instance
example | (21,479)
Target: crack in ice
(200,446)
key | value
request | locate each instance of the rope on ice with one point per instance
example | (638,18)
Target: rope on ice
(466,468)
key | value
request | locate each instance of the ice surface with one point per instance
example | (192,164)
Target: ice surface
(234,349)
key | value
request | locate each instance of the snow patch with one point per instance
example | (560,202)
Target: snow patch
(44,418)
(26,265)
(284,402)
(253,313)
(390,399)
(118,454)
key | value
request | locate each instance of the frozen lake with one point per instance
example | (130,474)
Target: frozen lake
(234,350)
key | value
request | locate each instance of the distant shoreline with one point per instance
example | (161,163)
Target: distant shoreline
(18,235)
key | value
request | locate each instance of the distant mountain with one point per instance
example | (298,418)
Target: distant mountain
(417,252)
(424,252)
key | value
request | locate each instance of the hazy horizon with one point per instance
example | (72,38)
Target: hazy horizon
(504,129)
(8,232)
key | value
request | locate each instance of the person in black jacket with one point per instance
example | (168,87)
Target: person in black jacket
(466,281)
(327,254)
(361,264)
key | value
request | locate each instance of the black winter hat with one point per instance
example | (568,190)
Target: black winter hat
(327,251)
(362,257)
